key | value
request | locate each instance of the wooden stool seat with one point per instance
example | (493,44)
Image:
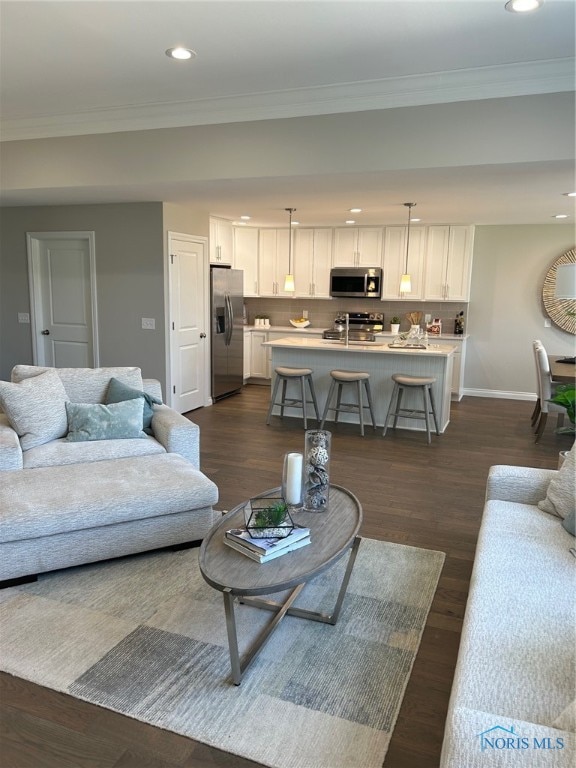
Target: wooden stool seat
(301,375)
(339,379)
(404,381)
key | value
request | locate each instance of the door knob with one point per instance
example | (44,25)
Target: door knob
(202,335)
(45,332)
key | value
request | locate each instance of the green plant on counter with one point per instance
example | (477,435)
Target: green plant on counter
(395,321)
(566,396)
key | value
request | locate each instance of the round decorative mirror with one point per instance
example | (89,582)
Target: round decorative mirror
(562,312)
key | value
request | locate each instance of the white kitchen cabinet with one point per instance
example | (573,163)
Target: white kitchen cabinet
(247,354)
(221,241)
(246,257)
(394,262)
(312,262)
(458,367)
(273,262)
(357,247)
(448,263)
(259,365)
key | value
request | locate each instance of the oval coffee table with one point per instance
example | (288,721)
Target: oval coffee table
(333,533)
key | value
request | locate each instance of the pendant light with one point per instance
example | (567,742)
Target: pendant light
(405,280)
(289,286)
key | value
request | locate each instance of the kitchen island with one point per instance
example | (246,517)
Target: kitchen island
(380,361)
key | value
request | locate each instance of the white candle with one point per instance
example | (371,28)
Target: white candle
(293,474)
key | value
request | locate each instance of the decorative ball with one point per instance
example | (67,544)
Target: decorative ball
(318,456)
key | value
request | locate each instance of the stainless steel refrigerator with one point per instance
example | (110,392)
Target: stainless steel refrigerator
(226,306)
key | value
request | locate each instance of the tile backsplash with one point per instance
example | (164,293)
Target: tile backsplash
(321,312)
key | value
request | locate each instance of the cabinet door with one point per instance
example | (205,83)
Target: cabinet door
(303,258)
(345,247)
(267,263)
(436,262)
(246,257)
(322,263)
(394,262)
(369,247)
(221,241)
(259,356)
(459,265)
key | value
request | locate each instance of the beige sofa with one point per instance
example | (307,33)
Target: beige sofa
(66,502)
(513,696)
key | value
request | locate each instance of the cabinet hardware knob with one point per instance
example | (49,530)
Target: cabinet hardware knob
(202,335)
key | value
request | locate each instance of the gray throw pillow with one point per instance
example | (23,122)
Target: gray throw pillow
(36,408)
(569,522)
(561,494)
(117,392)
(118,421)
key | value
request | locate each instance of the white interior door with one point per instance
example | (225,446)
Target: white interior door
(63,299)
(189,343)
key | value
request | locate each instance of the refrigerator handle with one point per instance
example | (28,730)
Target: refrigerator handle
(229,319)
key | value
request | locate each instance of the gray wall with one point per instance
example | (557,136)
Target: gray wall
(129,274)
(505,312)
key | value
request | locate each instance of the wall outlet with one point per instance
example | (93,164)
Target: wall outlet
(23,317)
(547,323)
(148,323)
(305,314)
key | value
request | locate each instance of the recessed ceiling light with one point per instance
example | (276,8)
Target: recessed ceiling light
(415,219)
(245,218)
(560,216)
(295,223)
(354,210)
(523,6)
(350,221)
(569,194)
(182,54)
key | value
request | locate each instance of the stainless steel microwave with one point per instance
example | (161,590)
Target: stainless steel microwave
(356,282)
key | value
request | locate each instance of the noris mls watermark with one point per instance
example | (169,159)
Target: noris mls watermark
(498,738)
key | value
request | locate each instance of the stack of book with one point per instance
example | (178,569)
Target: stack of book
(263,550)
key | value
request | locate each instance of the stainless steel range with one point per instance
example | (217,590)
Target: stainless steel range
(363,326)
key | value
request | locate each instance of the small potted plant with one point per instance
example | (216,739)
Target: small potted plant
(267,517)
(395,325)
(566,396)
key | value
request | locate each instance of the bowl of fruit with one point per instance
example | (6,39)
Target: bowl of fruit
(300,322)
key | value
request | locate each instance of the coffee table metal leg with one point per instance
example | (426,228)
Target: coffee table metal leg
(232,636)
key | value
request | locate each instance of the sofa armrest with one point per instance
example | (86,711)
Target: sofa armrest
(10,449)
(177,434)
(527,485)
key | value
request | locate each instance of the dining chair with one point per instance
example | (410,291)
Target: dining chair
(545,392)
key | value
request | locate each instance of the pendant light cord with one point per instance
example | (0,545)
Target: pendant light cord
(409,206)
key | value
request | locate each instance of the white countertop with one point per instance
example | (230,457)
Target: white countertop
(328,345)
(311,329)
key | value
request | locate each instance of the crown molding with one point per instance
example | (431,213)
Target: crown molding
(522,79)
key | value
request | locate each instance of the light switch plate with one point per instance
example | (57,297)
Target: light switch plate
(148,323)
(23,317)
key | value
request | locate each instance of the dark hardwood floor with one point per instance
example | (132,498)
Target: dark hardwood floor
(412,493)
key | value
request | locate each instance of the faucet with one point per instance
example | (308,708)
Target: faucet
(347,330)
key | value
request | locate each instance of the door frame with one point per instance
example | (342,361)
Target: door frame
(33,240)
(168,315)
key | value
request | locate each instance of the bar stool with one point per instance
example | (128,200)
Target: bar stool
(403,381)
(285,375)
(340,378)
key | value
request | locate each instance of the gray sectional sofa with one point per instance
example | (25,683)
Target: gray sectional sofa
(69,497)
(513,697)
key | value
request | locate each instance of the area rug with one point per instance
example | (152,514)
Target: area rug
(146,636)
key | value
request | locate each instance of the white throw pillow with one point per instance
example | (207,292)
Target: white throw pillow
(561,495)
(36,408)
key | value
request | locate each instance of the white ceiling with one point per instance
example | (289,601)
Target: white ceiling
(90,67)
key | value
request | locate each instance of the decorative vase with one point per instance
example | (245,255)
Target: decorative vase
(395,329)
(316,469)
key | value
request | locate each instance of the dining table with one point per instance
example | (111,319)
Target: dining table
(564,372)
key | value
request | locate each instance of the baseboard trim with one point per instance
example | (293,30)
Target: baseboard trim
(500,394)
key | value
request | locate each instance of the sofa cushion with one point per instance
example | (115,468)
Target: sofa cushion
(36,408)
(61,451)
(94,421)
(561,495)
(566,720)
(569,522)
(99,493)
(117,392)
(84,385)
